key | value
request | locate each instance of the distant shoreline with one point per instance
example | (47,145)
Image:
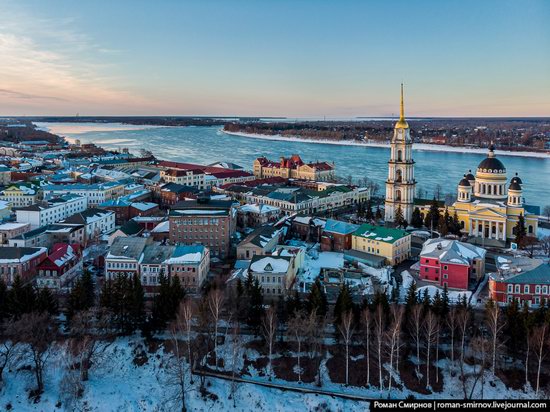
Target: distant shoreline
(416,146)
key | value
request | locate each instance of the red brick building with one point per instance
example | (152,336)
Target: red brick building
(451,263)
(203,221)
(530,286)
(336,235)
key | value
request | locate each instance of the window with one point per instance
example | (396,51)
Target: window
(445,267)
(526,289)
(517,288)
(510,288)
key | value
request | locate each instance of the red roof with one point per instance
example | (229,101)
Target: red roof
(61,254)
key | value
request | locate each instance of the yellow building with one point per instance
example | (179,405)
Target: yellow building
(486,208)
(392,244)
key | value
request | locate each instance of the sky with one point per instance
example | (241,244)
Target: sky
(295,58)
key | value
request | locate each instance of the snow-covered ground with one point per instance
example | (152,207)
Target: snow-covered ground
(417,146)
(454,295)
(118,384)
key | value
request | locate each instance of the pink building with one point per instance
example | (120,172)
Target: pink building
(451,263)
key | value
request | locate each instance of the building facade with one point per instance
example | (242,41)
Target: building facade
(400,185)
(207,222)
(451,263)
(488,207)
(51,211)
(392,244)
(294,168)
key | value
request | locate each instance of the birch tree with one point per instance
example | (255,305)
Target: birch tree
(379,328)
(347,330)
(215,304)
(495,325)
(184,320)
(366,318)
(431,326)
(539,345)
(393,340)
(451,325)
(269,329)
(416,326)
(296,329)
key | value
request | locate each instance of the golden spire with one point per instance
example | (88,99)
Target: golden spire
(402,123)
(402,108)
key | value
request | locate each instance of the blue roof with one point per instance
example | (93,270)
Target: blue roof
(337,226)
(181,250)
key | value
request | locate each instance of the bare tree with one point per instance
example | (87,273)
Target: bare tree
(451,324)
(38,332)
(539,345)
(296,329)
(347,330)
(215,304)
(90,335)
(8,348)
(431,326)
(416,326)
(175,371)
(236,349)
(315,334)
(495,325)
(393,340)
(269,329)
(528,340)
(184,320)
(379,328)
(367,325)
(462,321)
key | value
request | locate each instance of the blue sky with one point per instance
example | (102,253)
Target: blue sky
(279,58)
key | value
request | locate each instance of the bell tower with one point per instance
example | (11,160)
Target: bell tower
(400,185)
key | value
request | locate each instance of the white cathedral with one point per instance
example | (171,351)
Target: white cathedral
(400,186)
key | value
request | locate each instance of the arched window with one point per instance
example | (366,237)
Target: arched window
(399,156)
(398,195)
(398,175)
(530,230)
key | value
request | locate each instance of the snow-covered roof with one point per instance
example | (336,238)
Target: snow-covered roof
(452,251)
(270,264)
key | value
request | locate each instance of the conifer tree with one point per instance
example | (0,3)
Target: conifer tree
(412,298)
(445,301)
(136,304)
(416,220)
(378,214)
(369,213)
(399,219)
(20,298)
(317,299)
(433,216)
(255,302)
(3,299)
(520,231)
(344,304)
(82,295)
(456,227)
(294,304)
(46,302)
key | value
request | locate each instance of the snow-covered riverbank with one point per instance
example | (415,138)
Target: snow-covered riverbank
(417,146)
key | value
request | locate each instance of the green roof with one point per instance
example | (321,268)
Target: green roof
(380,233)
(538,275)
